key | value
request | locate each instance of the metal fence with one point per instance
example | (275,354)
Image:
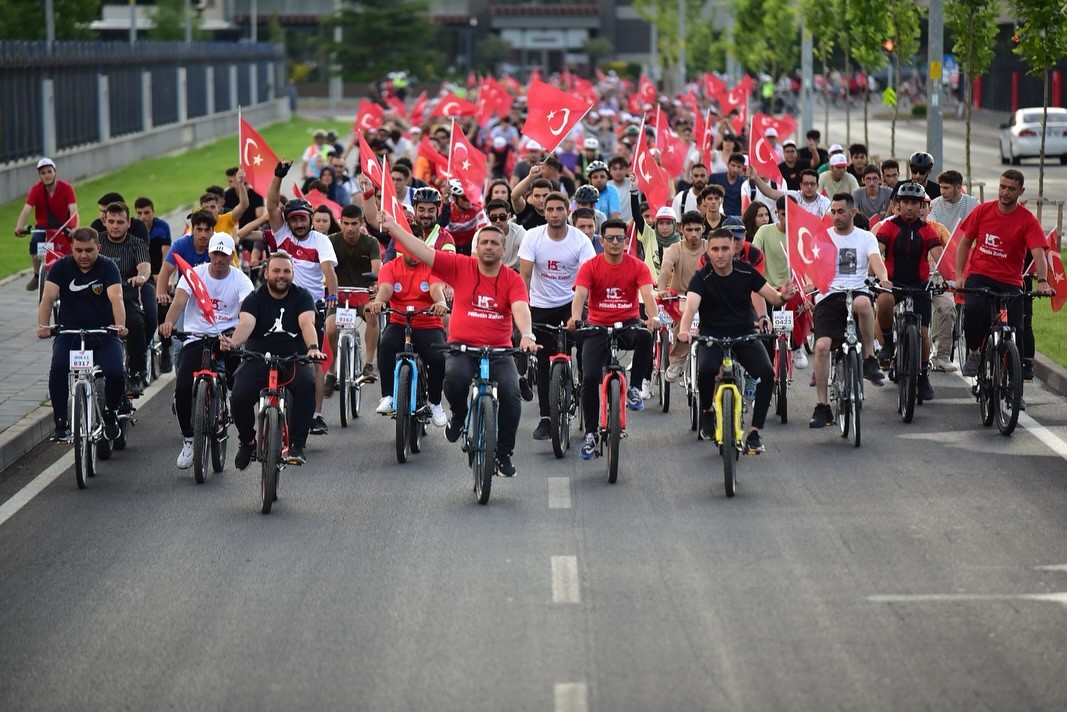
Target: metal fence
(62,95)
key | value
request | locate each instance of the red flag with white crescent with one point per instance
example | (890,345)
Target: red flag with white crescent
(761,156)
(811,249)
(467,165)
(429,151)
(391,204)
(1056,277)
(714,88)
(368,161)
(257,158)
(672,149)
(451,106)
(369,116)
(199,289)
(551,114)
(651,179)
(418,109)
(317,198)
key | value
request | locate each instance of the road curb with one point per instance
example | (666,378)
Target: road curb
(1053,375)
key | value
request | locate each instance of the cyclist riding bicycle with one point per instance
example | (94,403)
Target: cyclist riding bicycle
(612,282)
(227,286)
(464,217)
(90,292)
(54,206)
(488,299)
(279,318)
(426,203)
(681,261)
(731,298)
(909,247)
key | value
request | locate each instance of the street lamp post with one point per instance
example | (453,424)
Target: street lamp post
(471,27)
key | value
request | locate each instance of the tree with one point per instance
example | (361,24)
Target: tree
(492,50)
(765,35)
(168,22)
(1042,42)
(664,14)
(25,20)
(973,24)
(905,20)
(382,36)
(597,48)
(866,21)
(822,18)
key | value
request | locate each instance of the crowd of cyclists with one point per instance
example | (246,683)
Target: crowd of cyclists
(560,238)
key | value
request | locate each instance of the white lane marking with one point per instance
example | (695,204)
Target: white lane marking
(559,492)
(565,579)
(1054,567)
(572,697)
(21,498)
(1059,597)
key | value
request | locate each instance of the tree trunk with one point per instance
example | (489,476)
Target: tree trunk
(896,109)
(827,95)
(968,100)
(866,103)
(848,96)
(1044,124)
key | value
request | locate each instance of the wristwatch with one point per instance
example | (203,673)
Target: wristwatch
(531,337)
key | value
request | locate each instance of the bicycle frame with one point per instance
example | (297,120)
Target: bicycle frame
(409,354)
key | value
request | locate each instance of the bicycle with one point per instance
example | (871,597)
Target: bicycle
(564,390)
(272,426)
(999,384)
(479,430)
(350,377)
(782,322)
(211,408)
(906,364)
(663,343)
(612,426)
(727,399)
(846,374)
(411,408)
(54,245)
(689,381)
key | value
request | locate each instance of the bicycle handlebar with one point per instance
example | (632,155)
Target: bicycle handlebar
(409,314)
(588,328)
(910,291)
(999,295)
(58,330)
(270,358)
(192,335)
(481,350)
(729,341)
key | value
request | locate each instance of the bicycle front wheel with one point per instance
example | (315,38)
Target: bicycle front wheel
(355,390)
(662,363)
(402,413)
(841,385)
(781,374)
(986,386)
(1009,387)
(728,447)
(202,427)
(81,429)
(856,395)
(484,448)
(220,433)
(959,340)
(103,447)
(559,408)
(907,372)
(271,455)
(614,433)
(344,379)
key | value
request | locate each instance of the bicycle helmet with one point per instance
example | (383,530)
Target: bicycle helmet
(426,194)
(586,194)
(921,162)
(456,188)
(595,166)
(295,207)
(911,190)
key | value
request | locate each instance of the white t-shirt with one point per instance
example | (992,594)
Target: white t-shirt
(226,297)
(555,264)
(854,251)
(817,207)
(308,255)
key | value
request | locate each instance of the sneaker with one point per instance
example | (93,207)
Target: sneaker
(873,372)
(504,465)
(245,451)
(970,366)
(646,389)
(886,353)
(330,385)
(318,426)
(754,443)
(524,390)
(1028,371)
(926,391)
(437,415)
(385,406)
(750,388)
(454,429)
(185,457)
(166,360)
(370,374)
(674,371)
(135,385)
(589,447)
(634,400)
(940,364)
(32,285)
(296,455)
(111,425)
(543,430)
(800,359)
(811,383)
(822,416)
(707,424)
(61,434)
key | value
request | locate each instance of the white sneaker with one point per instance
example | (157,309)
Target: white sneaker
(437,415)
(646,389)
(800,359)
(940,364)
(385,405)
(185,457)
(674,371)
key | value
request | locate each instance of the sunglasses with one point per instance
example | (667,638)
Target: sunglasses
(499,217)
(613,238)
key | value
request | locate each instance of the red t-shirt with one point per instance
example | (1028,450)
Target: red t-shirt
(1001,241)
(614,290)
(463,224)
(411,288)
(481,306)
(60,202)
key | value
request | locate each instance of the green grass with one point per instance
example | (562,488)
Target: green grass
(170,181)
(1050,329)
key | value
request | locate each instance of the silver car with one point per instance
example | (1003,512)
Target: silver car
(1021,136)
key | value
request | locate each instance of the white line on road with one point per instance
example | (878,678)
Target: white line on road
(1059,597)
(559,492)
(1038,430)
(565,579)
(1054,567)
(572,697)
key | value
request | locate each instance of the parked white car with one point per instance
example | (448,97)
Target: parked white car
(1021,136)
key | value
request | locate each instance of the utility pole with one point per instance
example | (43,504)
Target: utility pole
(807,79)
(133,23)
(253,15)
(187,20)
(681,47)
(936,55)
(336,85)
(49,21)
(653,53)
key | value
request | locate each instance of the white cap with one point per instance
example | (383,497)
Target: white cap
(220,242)
(789,142)
(771,131)
(836,148)
(666,213)
(591,144)
(45,162)
(499,142)
(532,145)
(838,159)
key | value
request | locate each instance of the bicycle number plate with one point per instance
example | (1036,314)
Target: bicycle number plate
(43,248)
(81,360)
(782,320)
(346,317)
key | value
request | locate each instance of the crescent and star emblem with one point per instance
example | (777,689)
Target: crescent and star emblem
(257,159)
(803,233)
(445,111)
(562,125)
(466,163)
(760,146)
(641,167)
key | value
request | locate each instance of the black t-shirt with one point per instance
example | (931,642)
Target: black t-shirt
(137,228)
(726,302)
(791,176)
(804,157)
(277,326)
(84,303)
(255,201)
(354,260)
(529,218)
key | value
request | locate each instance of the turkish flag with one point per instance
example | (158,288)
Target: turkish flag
(784,124)
(566,79)
(761,156)
(369,117)
(647,91)
(493,101)
(368,161)
(813,253)
(392,205)
(690,101)
(1056,275)
(747,84)
(704,131)
(551,114)
(317,198)
(631,239)
(203,299)
(672,149)
(946,263)
(257,158)
(535,75)
(740,120)
(472,79)
(429,151)
(714,88)
(327,351)
(467,165)
(585,89)
(451,106)
(418,109)
(651,179)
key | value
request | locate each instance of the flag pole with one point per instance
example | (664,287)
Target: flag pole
(240,151)
(451,140)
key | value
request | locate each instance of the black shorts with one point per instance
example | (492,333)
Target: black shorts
(923,303)
(830,316)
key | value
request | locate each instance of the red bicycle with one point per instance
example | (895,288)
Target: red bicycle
(663,343)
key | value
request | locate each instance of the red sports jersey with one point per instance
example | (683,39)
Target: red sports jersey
(614,290)
(481,306)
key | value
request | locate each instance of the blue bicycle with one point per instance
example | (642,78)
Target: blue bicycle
(410,396)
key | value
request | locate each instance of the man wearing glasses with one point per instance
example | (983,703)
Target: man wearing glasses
(499,216)
(808,197)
